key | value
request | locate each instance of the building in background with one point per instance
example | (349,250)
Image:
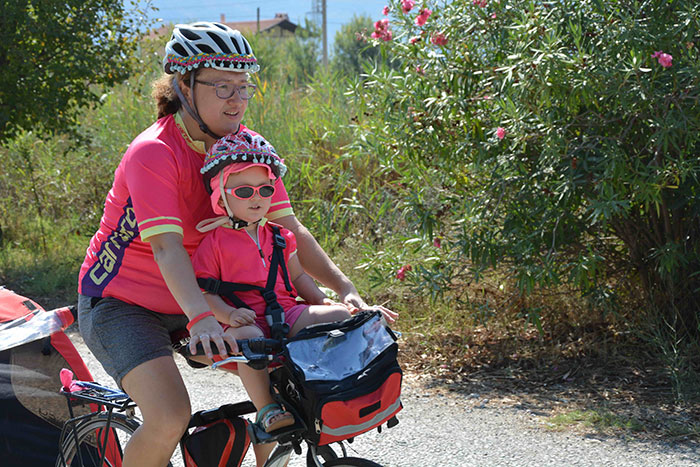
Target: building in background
(279,26)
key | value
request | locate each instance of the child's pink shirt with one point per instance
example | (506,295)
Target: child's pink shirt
(157,188)
(233,256)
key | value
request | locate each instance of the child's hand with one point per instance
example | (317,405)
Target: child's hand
(241,317)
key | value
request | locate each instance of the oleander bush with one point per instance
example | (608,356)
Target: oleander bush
(556,141)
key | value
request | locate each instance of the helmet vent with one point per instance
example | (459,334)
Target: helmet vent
(206,49)
(180,50)
(237,46)
(190,34)
(224,48)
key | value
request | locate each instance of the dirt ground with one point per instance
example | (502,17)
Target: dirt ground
(614,398)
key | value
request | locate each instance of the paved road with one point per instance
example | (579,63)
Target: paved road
(443,429)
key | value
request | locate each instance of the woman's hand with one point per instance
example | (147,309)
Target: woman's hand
(208,331)
(353,301)
(389,316)
(241,317)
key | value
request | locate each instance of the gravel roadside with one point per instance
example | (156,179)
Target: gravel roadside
(446,429)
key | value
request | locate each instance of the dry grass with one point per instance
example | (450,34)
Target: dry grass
(584,371)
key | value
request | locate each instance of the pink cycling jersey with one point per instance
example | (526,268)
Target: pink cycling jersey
(157,188)
(233,256)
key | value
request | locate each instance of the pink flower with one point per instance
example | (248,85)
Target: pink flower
(385,10)
(439,39)
(414,39)
(481,3)
(401,273)
(493,16)
(437,243)
(420,70)
(663,58)
(381,30)
(423,16)
(381,25)
(407,5)
(500,132)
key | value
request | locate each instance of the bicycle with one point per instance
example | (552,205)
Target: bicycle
(97,438)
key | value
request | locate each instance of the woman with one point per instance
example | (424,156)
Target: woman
(137,283)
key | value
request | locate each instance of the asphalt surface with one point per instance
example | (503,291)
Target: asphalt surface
(443,429)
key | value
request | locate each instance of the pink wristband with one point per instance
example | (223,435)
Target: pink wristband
(198,318)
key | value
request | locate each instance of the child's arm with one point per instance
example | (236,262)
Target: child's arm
(227,314)
(305,285)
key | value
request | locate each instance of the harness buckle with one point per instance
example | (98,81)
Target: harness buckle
(270,297)
(279,330)
(212,285)
(280,241)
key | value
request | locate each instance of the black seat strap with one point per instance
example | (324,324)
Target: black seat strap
(226,289)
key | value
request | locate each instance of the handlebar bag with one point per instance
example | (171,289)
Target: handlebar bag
(342,378)
(220,437)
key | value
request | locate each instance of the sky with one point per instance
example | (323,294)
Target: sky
(338,12)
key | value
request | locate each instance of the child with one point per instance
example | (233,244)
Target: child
(240,171)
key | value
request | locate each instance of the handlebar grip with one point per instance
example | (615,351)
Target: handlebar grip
(252,348)
(200,349)
(261,345)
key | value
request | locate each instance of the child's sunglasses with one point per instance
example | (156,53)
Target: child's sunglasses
(247,191)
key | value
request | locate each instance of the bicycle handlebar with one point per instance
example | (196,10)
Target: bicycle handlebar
(257,352)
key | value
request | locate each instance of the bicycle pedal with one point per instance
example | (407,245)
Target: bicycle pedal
(259,436)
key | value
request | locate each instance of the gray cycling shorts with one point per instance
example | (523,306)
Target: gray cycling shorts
(123,336)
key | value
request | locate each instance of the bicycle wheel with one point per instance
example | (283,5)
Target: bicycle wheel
(323,453)
(350,462)
(91,440)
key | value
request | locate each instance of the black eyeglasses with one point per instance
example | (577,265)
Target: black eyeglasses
(226,90)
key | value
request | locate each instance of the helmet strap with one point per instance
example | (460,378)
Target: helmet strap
(236,223)
(193,112)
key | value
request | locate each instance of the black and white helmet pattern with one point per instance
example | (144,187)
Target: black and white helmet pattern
(214,45)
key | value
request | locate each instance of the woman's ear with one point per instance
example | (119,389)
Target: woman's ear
(185,88)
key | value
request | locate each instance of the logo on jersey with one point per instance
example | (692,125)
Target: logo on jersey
(111,253)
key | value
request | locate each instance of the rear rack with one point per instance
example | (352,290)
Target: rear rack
(93,393)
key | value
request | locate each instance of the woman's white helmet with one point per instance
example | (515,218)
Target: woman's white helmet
(214,45)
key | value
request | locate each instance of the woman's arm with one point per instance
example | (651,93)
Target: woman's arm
(318,265)
(175,266)
(305,285)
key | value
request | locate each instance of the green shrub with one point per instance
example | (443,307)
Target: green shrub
(51,72)
(550,139)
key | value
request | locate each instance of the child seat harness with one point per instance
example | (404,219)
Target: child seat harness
(274,314)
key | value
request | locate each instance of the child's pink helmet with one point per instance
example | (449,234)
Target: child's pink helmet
(235,153)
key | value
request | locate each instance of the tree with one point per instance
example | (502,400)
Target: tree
(558,141)
(56,56)
(292,60)
(352,48)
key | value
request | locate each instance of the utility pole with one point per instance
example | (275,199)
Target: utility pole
(318,13)
(325,36)
(258,23)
